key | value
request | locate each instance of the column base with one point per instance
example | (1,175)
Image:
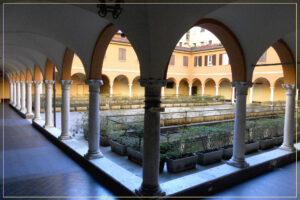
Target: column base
(92,156)
(287,148)
(37,118)
(29,115)
(23,110)
(237,163)
(65,137)
(18,107)
(147,190)
(48,126)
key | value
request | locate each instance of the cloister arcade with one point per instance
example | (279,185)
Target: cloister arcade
(58,42)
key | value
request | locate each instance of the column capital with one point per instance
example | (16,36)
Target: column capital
(94,85)
(241,87)
(48,82)
(66,82)
(150,82)
(129,84)
(37,82)
(290,89)
(29,82)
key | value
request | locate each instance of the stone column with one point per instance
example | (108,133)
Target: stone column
(150,185)
(232,95)
(37,101)
(94,120)
(29,113)
(217,90)
(251,95)
(203,87)
(48,104)
(15,94)
(23,107)
(18,95)
(177,90)
(289,120)
(238,157)
(190,90)
(11,92)
(65,109)
(111,90)
(272,94)
(130,90)
(163,92)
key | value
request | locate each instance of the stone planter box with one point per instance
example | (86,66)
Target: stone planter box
(227,153)
(266,144)
(206,158)
(181,164)
(104,141)
(251,147)
(118,148)
(277,141)
(135,156)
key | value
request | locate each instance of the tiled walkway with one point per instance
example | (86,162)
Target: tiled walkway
(33,166)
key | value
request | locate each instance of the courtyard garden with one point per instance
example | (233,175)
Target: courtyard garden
(185,147)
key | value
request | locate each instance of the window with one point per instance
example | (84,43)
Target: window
(194,44)
(209,41)
(187,36)
(180,44)
(185,61)
(197,61)
(225,60)
(122,54)
(263,58)
(202,29)
(210,60)
(172,60)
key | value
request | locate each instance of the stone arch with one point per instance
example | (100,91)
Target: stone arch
(288,62)
(78,88)
(67,64)
(120,86)
(225,88)
(28,75)
(231,45)
(104,89)
(22,76)
(170,89)
(261,90)
(137,89)
(101,45)
(210,87)
(183,87)
(279,91)
(196,87)
(38,75)
(49,70)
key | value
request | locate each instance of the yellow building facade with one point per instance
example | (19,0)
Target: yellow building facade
(203,70)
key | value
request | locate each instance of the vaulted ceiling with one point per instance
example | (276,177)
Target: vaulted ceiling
(34,33)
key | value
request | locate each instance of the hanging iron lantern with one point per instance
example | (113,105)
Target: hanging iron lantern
(112,6)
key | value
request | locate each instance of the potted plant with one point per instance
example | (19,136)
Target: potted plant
(277,131)
(134,151)
(180,158)
(119,142)
(251,143)
(211,153)
(264,134)
(106,128)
